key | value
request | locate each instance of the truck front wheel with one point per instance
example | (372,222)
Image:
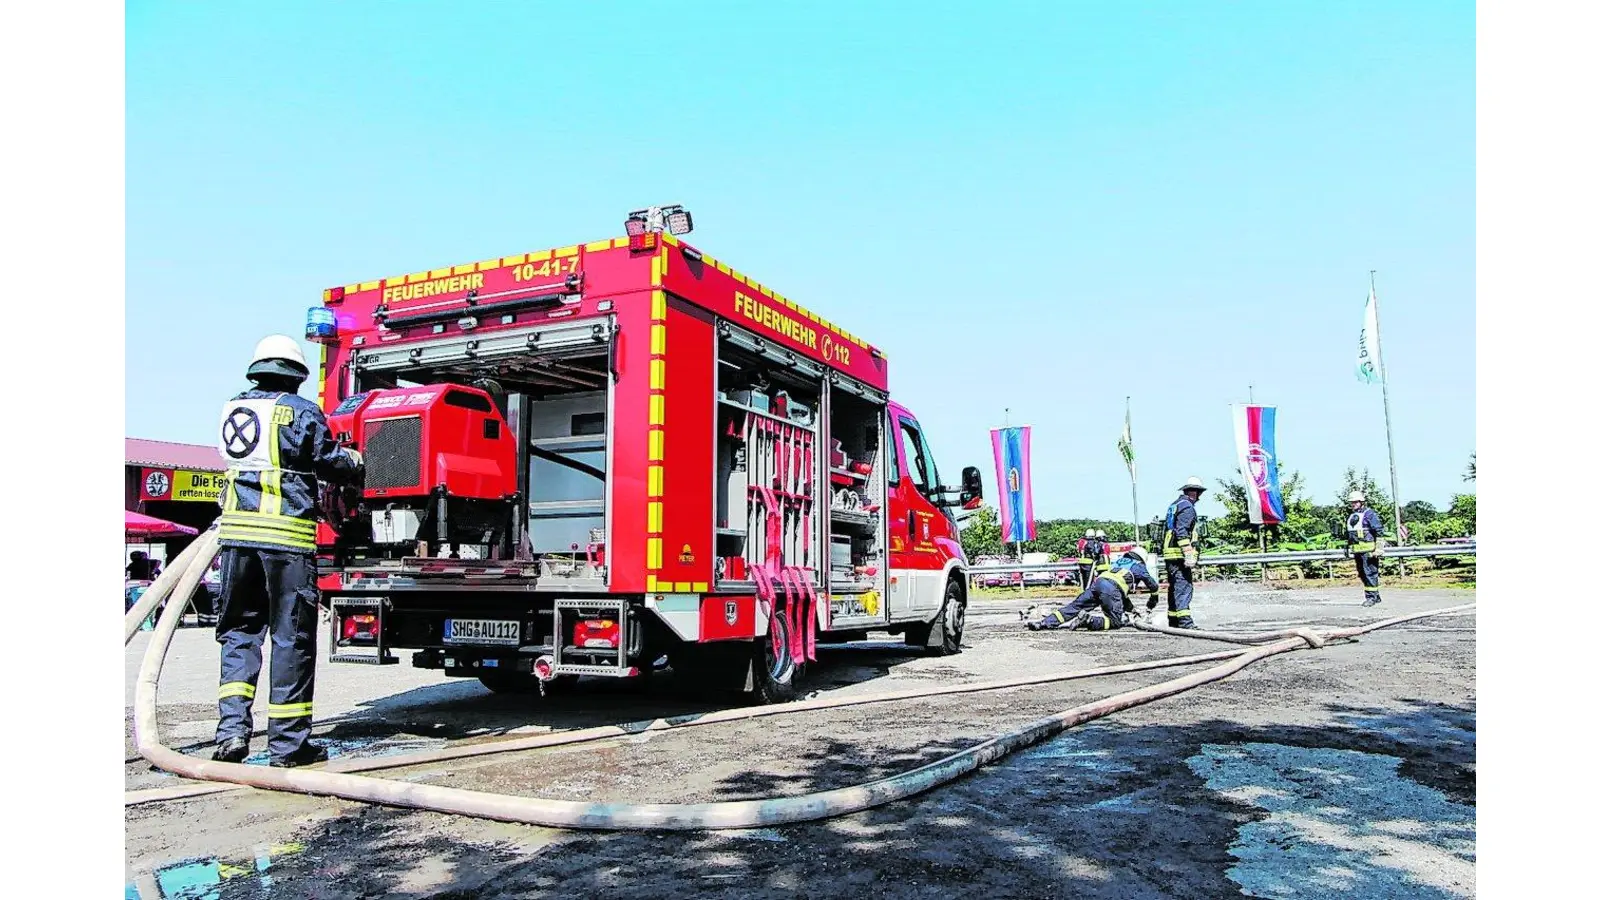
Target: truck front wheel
(942,636)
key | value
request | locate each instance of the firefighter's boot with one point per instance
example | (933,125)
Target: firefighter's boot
(1373,599)
(307,754)
(231,750)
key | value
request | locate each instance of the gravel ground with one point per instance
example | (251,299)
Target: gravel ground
(1349,769)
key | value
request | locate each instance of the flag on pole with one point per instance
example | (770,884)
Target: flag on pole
(1012,457)
(1125,445)
(1254,431)
(1369,362)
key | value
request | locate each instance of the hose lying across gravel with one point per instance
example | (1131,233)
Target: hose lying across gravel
(336,780)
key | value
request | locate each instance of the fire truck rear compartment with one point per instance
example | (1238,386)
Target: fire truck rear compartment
(541,601)
(813,446)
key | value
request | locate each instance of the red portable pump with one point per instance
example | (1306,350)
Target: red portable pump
(432,454)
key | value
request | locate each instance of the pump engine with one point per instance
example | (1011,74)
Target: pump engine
(440,475)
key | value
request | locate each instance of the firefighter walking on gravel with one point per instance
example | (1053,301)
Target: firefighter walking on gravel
(1181,553)
(1363,536)
(277,446)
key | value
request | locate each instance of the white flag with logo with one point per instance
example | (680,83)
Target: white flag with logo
(1369,364)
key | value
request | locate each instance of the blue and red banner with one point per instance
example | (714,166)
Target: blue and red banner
(1012,458)
(1255,435)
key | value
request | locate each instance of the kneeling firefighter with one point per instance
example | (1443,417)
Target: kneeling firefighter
(277,445)
(1105,605)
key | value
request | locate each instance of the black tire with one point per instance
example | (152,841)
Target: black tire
(774,671)
(943,636)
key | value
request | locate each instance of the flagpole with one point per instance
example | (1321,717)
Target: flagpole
(1022,582)
(1134,479)
(1388,428)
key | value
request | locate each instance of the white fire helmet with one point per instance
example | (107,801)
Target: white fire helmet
(279,354)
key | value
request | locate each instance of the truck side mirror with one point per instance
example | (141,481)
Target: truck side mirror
(971,488)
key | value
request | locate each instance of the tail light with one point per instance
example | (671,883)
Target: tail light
(360,628)
(597,633)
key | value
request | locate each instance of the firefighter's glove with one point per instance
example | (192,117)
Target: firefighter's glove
(355,456)
(1191,557)
(1150,605)
(1377,550)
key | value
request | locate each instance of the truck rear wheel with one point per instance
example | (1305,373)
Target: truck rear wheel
(774,670)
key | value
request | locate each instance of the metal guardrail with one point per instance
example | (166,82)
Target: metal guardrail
(1249,559)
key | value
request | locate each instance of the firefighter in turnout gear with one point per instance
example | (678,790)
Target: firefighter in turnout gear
(1363,536)
(1181,553)
(277,446)
(1105,605)
(1086,559)
(1102,554)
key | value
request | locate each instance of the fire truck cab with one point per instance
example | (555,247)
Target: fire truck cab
(579,461)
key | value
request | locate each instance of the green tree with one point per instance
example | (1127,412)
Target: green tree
(1057,537)
(981,536)
(1418,512)
(1302,525)
(1472,469)
(1465,508)
(1377,497)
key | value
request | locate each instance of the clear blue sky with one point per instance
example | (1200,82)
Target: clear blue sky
(1044,206)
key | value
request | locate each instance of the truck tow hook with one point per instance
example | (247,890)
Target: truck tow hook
(544,670)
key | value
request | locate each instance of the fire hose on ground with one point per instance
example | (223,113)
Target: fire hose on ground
(670,816)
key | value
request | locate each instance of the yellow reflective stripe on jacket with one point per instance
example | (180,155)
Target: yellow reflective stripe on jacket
(1178,614)
(288,710)
(1117,579)
(237,689)
(272,479)
(230,498)
(1364,547)
(271,521)
(270,536)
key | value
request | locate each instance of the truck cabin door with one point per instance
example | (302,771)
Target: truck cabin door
(917,525)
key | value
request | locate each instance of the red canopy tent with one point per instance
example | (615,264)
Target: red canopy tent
(140,525)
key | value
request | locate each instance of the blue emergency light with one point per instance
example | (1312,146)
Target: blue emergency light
(320,324)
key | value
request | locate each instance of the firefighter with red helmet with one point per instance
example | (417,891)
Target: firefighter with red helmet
(277,446)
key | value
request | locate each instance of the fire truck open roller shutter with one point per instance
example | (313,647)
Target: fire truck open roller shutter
(548,340)
(783,356)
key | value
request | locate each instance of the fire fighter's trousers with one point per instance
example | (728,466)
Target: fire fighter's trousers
(1180,590)
(1104,594)
(1367,568)
(262,590)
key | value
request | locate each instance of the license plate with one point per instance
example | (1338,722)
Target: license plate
(498,632)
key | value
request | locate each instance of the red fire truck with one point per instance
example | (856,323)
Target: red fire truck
(581,461)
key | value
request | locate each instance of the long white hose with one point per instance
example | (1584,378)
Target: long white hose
(605,732)
(654,816)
